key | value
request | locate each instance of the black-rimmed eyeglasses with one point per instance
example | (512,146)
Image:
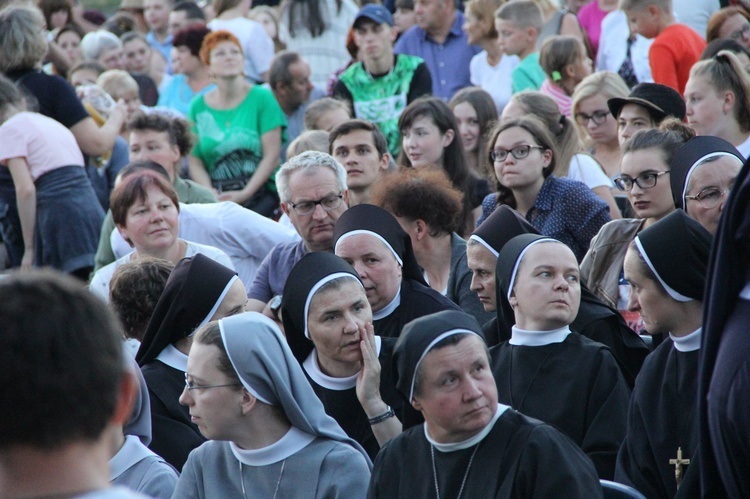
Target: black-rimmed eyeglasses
(644,180)
(328,203)
(518,152)
(598,117)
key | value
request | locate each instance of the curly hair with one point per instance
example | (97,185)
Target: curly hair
(134,291)
(178,129)
(422,195)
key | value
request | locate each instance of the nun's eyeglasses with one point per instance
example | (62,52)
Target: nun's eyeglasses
(518,152)
(709,198)
(328,203)
(190,386)
(644,180)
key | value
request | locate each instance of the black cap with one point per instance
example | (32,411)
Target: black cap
(660,101)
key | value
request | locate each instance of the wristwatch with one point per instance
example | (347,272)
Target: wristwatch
(275,305)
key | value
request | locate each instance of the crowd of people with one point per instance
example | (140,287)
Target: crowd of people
(353,248)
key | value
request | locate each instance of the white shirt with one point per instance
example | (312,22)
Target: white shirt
(244,235)
(495,80)
(613,47)
(99,284)
(586,169)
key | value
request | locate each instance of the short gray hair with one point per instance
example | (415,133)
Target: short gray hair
(96,42)
(307,161)
(22,38)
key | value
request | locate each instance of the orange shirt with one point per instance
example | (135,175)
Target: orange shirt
(673,53)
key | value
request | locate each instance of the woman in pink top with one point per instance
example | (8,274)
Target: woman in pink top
(49,213)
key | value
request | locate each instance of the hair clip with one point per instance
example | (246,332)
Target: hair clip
(556,76)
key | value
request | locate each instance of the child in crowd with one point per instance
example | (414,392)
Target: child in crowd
(519,23)
(676,46)
(566,63)
(51,216)
(120,85)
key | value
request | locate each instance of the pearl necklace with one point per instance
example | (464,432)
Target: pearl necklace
(466,474)
(278,482)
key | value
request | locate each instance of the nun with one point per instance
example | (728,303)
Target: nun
(198,290)
(268,433)
(594,320)
(328,325)
(666,287)
(702,173)
(133,465)
(547,371)
(372,241)
(469,445)
(724,373)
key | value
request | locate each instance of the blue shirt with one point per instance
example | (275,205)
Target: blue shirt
(164,47)
(565,210)
(448,62)
(177,94)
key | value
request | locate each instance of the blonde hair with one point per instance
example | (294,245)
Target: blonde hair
(117,83)
(604,83)
(484,10)
(725,72)
(309,140)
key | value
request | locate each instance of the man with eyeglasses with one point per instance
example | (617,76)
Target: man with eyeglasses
(313,193)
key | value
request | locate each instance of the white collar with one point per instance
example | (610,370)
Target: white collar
(388,309)
(312,368)
(294,441)
(537,338)
(688,343)
(173,358)
(469,442)
(443,292)
(131,452)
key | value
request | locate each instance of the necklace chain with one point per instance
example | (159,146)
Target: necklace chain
(278,482)
(466,473)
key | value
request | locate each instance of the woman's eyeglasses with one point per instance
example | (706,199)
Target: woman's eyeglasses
(644,180)
(518,152)
(598,117)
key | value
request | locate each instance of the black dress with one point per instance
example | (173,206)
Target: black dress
(519,458)
(417,300)
(342,404)
(173,434)
(661,418)
(574,385)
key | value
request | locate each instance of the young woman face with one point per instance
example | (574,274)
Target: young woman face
(706,108)
(475,29)
(334,322)
(656,308)
(517,174)
(151,224)
(632,118)
(268,24)
(214,410)
(468,126)
(70,42)
(137,56)
(424,143)
(594,117)
(648,202)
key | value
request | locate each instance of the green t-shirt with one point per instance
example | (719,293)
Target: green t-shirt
(528,75)
(229,140)
(383,99)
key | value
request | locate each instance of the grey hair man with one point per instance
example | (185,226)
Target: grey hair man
(313,192)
